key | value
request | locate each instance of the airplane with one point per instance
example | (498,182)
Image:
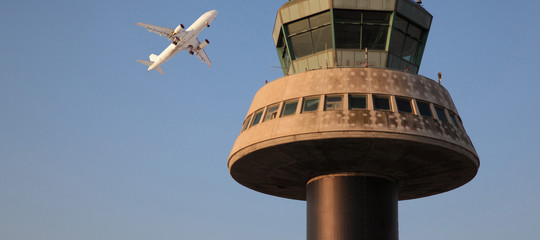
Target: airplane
(180,40)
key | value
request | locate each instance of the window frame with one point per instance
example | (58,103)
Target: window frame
(285,103)
(261,112)
(305,101)
(443,112)
(411,32)
(358,25)
(275,113)
(420,109)
(246,123)
(381,96)
(453,119)
(404,99)
(341,102)
(309,32)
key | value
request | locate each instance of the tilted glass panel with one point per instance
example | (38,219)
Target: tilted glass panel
(301,45)
(411,37)
(396,43)
(347,16)
(404,105)
(271,112)
(381,102)
(280,42)
(424,109)
(409,49)
(297,27)
(347,35)
(357,102)
(319,20)
(334,103)
(376,17)
(400,24)
(322,39)
(374,37)
(289,108)
(414,32)
(440,114)
(257,117)
(395,62)
(286,58)
(311,104)
(414,13)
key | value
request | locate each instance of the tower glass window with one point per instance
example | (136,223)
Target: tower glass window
(302,44)
(333,103)
(357,102)
(407,41)
(289,108)
(361,29)
(311,104)
(381,102)
(310,35)
(424,109)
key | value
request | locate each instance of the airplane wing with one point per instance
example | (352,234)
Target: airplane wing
(201,54)
(161,31)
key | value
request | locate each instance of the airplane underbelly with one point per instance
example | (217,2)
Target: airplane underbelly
(167,53)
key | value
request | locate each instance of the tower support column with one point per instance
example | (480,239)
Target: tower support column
(352,207)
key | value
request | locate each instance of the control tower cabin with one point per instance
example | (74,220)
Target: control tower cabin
(351,128)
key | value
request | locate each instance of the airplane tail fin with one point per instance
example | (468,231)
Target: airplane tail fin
(149,63)
(153,57)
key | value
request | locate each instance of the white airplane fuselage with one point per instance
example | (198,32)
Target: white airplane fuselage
(188,39)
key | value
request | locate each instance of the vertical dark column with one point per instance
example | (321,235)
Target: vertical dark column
(352,207)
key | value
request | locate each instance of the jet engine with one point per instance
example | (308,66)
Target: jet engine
(178,29)
(203,44)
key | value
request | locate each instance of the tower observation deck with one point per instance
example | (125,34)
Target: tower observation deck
(351,128)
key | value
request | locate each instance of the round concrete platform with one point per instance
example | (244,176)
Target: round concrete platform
(424,155)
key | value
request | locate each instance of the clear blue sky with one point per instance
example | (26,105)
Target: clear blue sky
(94,147)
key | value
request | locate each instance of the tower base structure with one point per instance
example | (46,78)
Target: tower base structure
(352,207)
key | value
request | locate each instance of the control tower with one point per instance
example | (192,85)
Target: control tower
(351,128)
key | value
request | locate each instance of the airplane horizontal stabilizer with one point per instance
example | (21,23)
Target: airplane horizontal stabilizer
(159,69)
(147,63)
